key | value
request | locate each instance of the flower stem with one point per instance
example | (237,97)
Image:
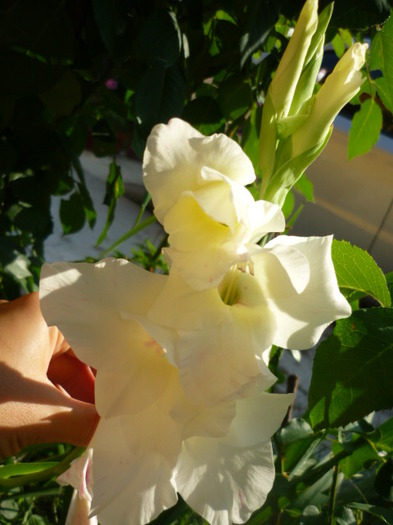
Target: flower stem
(42,475)
(130,233)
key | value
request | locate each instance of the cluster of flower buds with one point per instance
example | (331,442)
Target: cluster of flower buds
(296,123)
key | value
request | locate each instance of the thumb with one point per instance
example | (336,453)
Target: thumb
(68,421)
(75,425)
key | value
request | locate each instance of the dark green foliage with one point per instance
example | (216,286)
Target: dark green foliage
(101,74)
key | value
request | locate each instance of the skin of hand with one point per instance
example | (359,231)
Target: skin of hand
(46,393)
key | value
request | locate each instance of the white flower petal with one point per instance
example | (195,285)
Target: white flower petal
(198,311)
(217,345)
(206,422)
(135,378)
(301,317)
(225,156)
(79,475)
(176,154)
(199,247)
(79,510)
(294,262)
(132,479)
(263,217)
(86,302)
(222,483)
(257,418)
(210,370)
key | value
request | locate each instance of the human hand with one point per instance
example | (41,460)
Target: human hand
(46,393)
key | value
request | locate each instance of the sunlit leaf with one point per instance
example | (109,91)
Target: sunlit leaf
(384,92)
(357,271)
(387,54)
(261,17)
(361,348)
(365,129)
(21,469)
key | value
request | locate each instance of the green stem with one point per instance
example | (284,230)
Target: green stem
(333,494)
(130,233)
(43,475)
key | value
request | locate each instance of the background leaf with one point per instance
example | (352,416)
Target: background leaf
(111,19)
(357,271)
(365,129)
(114,190)
(385,515)
(159,41)
(261,18)
(160,96)
(72,214)
(387,54)
(361,348)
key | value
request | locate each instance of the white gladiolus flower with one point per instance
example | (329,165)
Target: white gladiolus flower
(288,300)
(153,440)
(197,186)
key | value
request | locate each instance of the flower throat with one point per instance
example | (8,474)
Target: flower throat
(229,288)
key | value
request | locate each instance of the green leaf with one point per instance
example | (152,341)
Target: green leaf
(250,136)
(63,96)
(160,96)
(72,215)
(350,14)
(34,219)
(387,54)
(384,92)
(21,469)
(384,480)
(298,442)
(205,114)
(111,19)
(361,453)
(305,187)
(36,41)
(35,519)
(365,129)
(261,17)
(358,14)
(386,515)
(338,45)
(383,436)
(376,53)
(357,271)
(114,190)
(43,30)
(9,510)
(159,41)
(19,267)
(361,349)
(234,98)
